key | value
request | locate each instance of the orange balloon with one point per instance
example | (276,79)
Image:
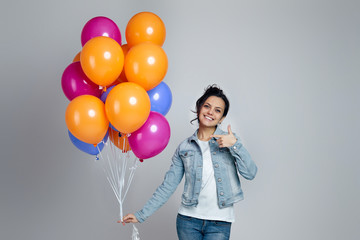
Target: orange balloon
(118,81)
(102,60)
(77,57)
(146,64)
(113,84)
(145,27)
(120,142)
(86,119)
(127,107)
(122,77)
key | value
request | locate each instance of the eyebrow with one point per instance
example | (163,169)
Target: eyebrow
(215,107)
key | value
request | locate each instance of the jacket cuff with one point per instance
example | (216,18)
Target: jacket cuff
(139,216)
(236,147)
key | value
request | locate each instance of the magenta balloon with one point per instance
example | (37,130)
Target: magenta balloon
(100,26)
(152,138)
(74,83)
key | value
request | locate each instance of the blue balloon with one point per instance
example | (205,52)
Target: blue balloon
(113,128)
(160,98)
(103,98)
(105,94)
(87,147)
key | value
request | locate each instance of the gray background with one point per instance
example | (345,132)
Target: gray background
(290,69)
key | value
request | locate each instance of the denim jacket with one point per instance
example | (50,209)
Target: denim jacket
(187,159)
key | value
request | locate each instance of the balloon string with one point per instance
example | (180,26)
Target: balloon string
(129,179)
(132,169)
(109,173)
(135,233)
(112,173)
(131,176)
(114,190)
(116,164)
(121,181)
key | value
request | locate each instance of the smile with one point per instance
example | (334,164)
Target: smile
(208,118)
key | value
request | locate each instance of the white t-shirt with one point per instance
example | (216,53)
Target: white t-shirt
(208,207)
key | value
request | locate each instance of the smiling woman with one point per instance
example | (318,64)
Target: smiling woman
(211,113)
(212,183)
(215,94)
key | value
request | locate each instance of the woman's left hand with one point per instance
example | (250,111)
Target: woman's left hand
(227,140)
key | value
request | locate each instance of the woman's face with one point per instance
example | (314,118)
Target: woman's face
(211,112)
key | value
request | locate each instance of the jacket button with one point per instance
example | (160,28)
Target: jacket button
(214,153)
(223,204)
(216,165)
(219,179)
(221,193)
(234,147)
(185,154)
(213,141)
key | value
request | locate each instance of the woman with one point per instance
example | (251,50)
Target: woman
(210,160)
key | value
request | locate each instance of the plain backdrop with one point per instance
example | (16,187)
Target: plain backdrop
(291,70)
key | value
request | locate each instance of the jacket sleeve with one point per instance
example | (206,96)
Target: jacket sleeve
(244,163)
(171,180)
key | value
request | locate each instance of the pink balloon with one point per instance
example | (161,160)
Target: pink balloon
(74,83)
(100,26)
(152,138)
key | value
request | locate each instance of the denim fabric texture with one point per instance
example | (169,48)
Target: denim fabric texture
(187,160)
(189,228)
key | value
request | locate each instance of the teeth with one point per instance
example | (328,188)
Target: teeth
(208,118)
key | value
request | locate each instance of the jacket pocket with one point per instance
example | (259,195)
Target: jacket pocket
(224,150)
(186,154)
(185,201)
(226,157)
(188,160)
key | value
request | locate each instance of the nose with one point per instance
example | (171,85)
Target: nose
(210,111)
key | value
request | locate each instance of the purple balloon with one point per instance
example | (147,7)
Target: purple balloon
(152,138)
(100,26)
(74,83)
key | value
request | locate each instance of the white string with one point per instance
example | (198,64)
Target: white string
(131,176)
(116,164)
(135,233)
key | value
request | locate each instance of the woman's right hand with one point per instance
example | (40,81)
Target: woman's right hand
(130,218)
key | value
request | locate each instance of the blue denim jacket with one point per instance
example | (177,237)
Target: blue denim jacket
(187,160)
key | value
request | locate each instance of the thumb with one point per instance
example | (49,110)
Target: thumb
(229,129)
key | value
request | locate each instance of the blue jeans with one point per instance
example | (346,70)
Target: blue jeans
(189,228)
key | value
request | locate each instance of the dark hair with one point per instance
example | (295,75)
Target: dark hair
(211,90)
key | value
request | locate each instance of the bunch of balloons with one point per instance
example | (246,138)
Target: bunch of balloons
(116,90)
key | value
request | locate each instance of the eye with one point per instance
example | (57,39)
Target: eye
(206,106)
(218,110)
